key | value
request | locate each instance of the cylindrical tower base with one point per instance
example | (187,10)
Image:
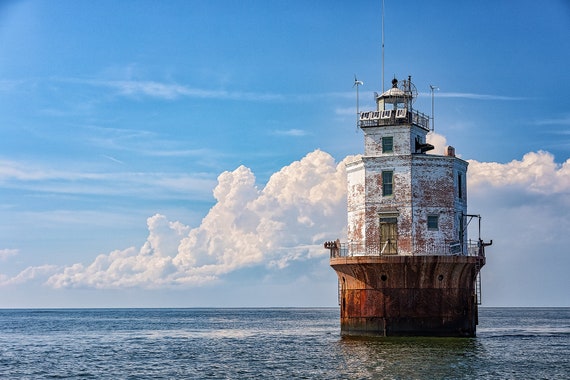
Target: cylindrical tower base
(408,295)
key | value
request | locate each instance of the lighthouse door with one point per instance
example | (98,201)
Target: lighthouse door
(389,236)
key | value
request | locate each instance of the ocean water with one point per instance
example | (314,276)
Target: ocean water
(512,343)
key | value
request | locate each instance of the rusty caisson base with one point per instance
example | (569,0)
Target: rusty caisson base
(408,295)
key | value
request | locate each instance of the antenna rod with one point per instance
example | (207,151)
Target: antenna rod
(382,46)
(357,110)
(356,84)
(432,87)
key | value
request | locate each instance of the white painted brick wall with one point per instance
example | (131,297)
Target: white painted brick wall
(423,185)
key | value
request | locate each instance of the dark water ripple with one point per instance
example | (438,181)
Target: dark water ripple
(271,343)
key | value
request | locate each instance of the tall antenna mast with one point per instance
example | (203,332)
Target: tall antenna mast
(356,84)
(382,46)
(432,88)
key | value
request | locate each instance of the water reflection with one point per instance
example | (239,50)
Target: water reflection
(409,358)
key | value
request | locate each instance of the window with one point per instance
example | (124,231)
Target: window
(387,144)
(433,222)
(460,185)
(387,183)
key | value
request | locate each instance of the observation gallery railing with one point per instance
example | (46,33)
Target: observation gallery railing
(392,117)
(338,249)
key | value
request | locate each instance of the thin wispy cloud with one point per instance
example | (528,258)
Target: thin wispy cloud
(110,158)
(169,91)
(26,172)
(10,85)
(148,148)
(140,89)
(563,120)
(141,142)
(291,132)
(180,153)
(473,96)
(6,252)
(173,91)
(37,178)
(124,133)
(344,111)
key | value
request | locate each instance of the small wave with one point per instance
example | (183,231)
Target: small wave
(525,332)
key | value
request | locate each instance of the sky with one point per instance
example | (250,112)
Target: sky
(190,153)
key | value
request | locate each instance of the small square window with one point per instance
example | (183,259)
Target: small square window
(387,144)
(433,222)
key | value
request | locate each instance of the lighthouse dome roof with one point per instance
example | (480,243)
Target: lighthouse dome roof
(393,92)
(396,94)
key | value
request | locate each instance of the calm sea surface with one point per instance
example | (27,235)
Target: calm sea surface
(271,343)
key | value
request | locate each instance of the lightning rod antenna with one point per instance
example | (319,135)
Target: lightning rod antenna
(356,84)
(432,88)
(382,46)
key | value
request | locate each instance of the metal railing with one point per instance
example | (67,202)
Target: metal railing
(392,117)
(338,249)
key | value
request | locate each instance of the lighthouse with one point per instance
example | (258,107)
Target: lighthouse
(408,267)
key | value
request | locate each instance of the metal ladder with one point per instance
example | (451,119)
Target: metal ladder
(478,283)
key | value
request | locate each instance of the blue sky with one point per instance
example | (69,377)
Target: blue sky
(189,153)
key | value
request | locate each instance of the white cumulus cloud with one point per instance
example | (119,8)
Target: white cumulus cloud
(524,204)
(28,274)
(537,172)
(300,206)
(438,141)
